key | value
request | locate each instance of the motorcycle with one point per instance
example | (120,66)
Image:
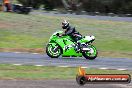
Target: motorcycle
(66,47)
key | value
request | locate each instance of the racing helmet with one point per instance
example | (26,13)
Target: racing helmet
(65,24)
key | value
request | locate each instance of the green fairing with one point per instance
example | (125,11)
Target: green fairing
(65,46)
(64,41)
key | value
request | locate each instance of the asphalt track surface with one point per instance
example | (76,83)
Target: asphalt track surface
(44,60)
(55,84)
(107,18)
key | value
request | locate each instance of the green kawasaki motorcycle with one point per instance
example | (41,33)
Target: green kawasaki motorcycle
(66,47)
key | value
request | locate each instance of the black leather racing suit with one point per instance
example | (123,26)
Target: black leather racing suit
(71,31)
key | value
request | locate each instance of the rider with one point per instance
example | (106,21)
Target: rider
(71,31)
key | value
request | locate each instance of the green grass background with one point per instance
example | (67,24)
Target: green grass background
(34,72)
(33,31)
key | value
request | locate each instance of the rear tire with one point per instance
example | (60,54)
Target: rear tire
(50,50)
(92,54)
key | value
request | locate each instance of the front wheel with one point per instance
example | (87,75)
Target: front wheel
(53,50)
(91,54)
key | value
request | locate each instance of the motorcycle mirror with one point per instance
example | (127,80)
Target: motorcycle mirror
(57,34)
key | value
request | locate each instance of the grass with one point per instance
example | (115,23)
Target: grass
(33,72)
(33,31)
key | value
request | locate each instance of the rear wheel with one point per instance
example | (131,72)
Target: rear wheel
(53,50)
(91,54)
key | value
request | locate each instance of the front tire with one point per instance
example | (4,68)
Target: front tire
(51,52)
(92,54)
